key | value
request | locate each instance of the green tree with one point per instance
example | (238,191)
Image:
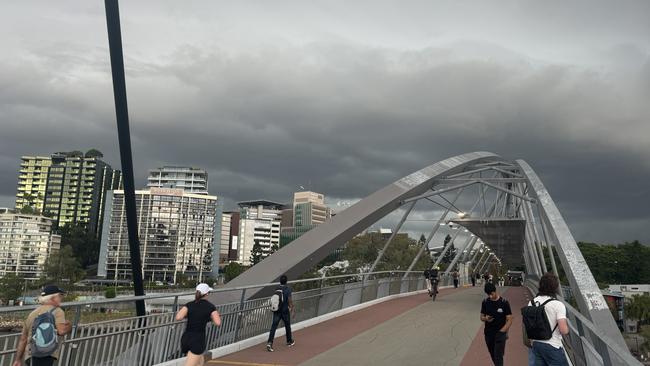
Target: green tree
(28,210)
(84,244)
(232,270)
(63,265)
(451,252)
(422,239)
(110,293)
(11,287)
(638,307)
(94,153)
(362,251)
(257,254)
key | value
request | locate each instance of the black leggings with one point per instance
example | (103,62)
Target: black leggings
(41,361)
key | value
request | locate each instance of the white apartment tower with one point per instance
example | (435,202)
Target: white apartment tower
(26,241)
(176,232)
(190,179)
(259,223)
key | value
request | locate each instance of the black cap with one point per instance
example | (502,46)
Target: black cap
(489,288)
(51,290)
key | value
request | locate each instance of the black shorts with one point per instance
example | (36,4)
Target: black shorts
(193,342)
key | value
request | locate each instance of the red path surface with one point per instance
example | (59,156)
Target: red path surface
(321,337)
(516,353)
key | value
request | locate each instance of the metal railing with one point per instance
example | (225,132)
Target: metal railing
(155,338)
(586,344)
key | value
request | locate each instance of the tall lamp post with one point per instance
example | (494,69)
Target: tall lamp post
(124,136)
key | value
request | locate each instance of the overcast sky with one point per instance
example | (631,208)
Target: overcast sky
(344,97)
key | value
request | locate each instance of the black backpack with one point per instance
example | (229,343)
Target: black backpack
(536,322)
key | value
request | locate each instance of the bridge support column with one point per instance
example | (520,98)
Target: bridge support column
(444,251)
(530,220)
(392,236)
(435,228)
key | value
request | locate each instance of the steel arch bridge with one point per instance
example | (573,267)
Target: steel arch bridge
(514,220)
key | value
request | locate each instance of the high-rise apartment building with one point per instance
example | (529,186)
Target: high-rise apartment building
(259,223)
(176,232)
(190,179)
(26,241)
(70,187)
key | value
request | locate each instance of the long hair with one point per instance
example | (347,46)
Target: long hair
(198,296)
(548,285)
(45,299)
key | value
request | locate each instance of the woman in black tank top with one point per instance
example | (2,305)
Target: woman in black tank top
(198,313)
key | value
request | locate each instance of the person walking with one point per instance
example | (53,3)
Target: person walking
(40,341)
(497,316)
(549,352)
(472,278)
(455,275)
(284,313)
(198,313)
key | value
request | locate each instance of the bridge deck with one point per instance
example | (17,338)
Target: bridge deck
(406,331)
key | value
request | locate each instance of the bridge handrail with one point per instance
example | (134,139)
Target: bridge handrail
(9,309)
(586,330)
(155,337)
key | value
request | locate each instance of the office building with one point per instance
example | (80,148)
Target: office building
(176,231)
(190,179)
(26,241)
(307,211)
(68,187)
(229,238)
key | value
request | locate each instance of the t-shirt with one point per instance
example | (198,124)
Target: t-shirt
(554,310)
(286,295)
(59,318)
(198,315)
(433,274)
(498,309)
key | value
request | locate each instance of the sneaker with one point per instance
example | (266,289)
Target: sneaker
(269,347)
(290,344)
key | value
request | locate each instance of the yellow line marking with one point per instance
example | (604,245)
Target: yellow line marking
(242,363)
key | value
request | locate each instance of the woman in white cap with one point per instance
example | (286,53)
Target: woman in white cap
(198,313)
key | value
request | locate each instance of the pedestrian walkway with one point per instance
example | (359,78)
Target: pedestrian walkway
(406,331)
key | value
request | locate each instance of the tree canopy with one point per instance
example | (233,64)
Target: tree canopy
(63,265)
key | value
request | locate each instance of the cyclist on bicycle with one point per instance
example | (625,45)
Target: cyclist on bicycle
(433,280)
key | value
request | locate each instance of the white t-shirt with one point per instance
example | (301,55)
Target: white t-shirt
(554,310)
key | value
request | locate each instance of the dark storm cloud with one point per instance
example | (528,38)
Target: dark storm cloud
(348,116)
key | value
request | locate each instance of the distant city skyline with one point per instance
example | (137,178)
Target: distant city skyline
(348,96)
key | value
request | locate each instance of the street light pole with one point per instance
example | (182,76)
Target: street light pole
(124,136)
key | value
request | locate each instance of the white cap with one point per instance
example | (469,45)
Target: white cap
(203,288)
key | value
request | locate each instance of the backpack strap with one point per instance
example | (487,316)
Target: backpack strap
(546,302)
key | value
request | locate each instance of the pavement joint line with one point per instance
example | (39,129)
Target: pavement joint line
(239,363)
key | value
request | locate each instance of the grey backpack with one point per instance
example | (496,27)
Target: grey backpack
(45,338)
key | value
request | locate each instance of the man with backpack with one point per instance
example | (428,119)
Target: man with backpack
(545,322)
(282,307)
(39,344)
(497,316)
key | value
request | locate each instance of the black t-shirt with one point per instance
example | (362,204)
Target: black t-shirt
(498,309)
(433,274)
(198,315)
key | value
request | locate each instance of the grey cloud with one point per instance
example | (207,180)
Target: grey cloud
(348,117)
